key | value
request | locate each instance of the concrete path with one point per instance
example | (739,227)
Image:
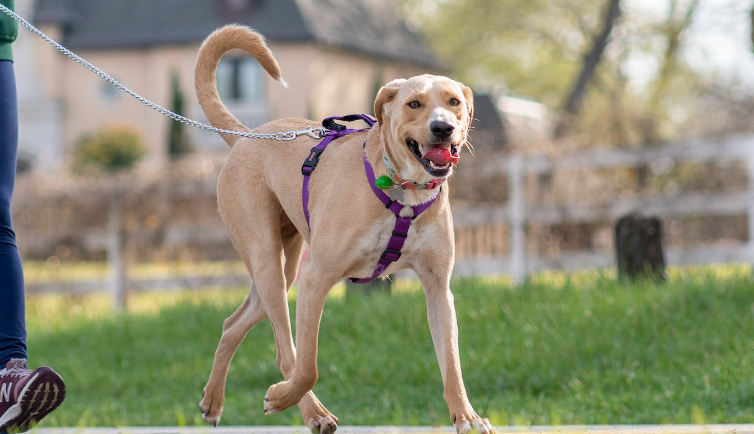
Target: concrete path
(566,429)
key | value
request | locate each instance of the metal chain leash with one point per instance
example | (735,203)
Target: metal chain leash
(313,132)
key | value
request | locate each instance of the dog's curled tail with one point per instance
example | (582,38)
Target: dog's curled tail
(213,48)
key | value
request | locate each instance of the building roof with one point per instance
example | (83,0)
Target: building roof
(370,27)
(488,124)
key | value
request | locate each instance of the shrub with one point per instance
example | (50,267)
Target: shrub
(110,150)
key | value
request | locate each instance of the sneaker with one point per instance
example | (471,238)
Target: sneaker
(27,396)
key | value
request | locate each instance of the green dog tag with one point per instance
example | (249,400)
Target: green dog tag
(383,182)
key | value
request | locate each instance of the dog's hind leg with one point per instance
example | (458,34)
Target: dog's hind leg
(250,313)
(268,268)
(253,310)
(310,303)
(315,415)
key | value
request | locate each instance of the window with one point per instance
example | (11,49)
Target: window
(108,92)
(240,80)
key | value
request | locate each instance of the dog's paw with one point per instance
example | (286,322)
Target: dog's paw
(317,417)
(322,425)
(468,424)
(281,396)
(212,408)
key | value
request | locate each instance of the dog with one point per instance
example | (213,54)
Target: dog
(420,121)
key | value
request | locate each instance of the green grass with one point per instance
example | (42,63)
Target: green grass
(55,270)
(559,350)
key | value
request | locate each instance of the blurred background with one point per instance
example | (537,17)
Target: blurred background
(585,111)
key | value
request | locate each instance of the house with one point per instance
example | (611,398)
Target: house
(489,132)
(334,54)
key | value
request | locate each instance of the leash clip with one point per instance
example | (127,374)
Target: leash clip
(315,133)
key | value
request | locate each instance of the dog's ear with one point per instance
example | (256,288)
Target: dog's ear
(469,96)
(385,95)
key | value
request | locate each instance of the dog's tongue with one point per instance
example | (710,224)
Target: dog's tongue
(440,156)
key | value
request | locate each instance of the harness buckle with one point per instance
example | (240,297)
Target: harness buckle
(396,254)
(398,234)
(311,161)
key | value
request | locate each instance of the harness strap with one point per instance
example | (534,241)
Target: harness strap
(392,252)
(335,130)
(402,224)
(330,124)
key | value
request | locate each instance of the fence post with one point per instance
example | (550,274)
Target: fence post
(749,159)
(517,219)
(118,278)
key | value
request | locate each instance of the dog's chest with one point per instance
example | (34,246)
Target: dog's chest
(374,241)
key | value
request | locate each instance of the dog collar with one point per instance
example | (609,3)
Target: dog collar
(397,182)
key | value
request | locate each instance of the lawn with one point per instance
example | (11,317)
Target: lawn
(561,349)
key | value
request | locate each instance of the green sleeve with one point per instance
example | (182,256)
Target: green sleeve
(8,31)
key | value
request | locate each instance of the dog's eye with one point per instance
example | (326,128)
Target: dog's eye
(454,102)
(414,104)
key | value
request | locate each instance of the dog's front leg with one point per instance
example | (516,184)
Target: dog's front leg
(310,302)
(441,315)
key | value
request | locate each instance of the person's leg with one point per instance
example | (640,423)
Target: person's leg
(26,396)
(12,308)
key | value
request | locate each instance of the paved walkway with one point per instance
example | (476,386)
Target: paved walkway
(567,429)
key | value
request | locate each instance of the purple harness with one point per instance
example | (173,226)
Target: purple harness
(402,224)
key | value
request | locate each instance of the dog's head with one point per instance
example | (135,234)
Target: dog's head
(424,122)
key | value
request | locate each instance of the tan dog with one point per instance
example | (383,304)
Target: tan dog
(259,195)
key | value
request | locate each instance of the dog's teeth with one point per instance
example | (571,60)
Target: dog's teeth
(433,165)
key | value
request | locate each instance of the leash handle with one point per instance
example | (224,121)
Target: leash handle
(330,124)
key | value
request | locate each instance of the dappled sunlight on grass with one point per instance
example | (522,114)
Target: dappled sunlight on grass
(702,273)
(406,285)
(99,305)
(52,307)
(55,270)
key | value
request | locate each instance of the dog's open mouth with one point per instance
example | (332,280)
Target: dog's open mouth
(437,161)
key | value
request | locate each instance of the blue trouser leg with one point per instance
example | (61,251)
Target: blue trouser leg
(12,309)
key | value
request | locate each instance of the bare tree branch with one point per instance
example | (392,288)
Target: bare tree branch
(590,63)
(674,30)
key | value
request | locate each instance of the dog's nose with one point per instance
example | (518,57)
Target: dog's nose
(441,129)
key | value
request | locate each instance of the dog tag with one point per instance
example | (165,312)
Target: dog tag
(396,194)
(383,182)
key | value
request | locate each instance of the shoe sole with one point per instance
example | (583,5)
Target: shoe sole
(40,396)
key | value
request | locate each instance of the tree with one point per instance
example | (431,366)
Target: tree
(675,25)
(538,49)
(529,48)
(591,60)
(576,55)
(178,142)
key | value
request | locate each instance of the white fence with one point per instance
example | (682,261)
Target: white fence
(517,215)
